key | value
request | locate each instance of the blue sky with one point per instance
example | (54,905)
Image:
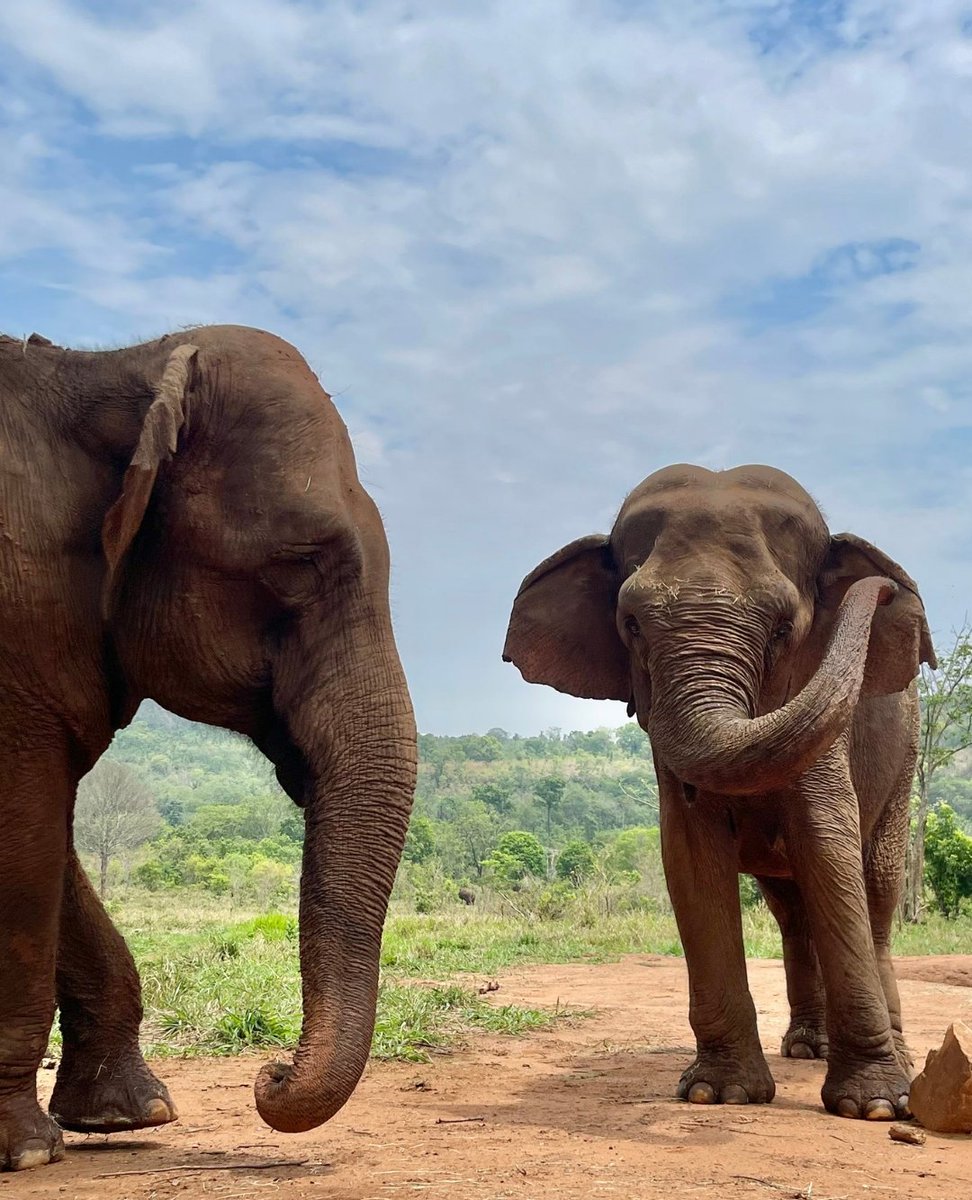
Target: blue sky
(535,251)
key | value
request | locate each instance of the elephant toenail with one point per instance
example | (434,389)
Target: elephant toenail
(800,1050)
(879,1110)
(28,1159)
(701,1093)
(847,1108)
(734,1094)
(160,1113)
(904,1106)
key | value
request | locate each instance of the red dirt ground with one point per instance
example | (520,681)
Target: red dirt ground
(584,1110)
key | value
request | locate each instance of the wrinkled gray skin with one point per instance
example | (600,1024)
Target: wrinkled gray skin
(183,520)
(771,665)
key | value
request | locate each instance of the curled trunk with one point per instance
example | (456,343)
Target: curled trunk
(718,748)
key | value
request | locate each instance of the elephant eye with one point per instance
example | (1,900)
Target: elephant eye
(783,630)
(632,626)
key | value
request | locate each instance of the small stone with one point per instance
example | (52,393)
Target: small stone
(907,1134)
(48,1064)
(941,1096)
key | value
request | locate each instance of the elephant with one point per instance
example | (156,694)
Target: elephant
(772,666)
(182,520)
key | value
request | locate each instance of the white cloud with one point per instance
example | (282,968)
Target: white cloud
(534,250)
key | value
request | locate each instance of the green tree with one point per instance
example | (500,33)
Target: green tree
(575,863)
(482,749)
(634,849)
(946,730)
(633,740)
(419,841)
(550,792)
(494,794)
(948,861)
(517,854)
(468,838)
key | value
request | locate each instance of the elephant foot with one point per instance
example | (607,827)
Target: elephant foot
(725,1079)
(805,1040)
(95,1097)
(875,1091)
(28,1137)
(905,1059)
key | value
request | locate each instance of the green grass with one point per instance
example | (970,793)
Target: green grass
(209,1002)
(220,981)
(412,1019)
(934,935)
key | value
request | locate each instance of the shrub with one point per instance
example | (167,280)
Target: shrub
(517,855)
(749,894)
(948,861)
(575,863)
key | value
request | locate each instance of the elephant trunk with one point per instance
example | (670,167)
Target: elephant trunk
(718,747)
(356,818)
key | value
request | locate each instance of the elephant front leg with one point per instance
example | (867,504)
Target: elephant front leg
(806,1036)
(103,1084)
(701,872)
(34,805)
(865,1076)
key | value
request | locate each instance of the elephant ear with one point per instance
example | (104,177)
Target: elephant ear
(900,641)
(156,443)
(562,629)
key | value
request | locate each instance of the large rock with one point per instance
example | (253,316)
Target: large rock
(941,1096)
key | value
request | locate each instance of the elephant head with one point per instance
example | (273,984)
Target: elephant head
(246,585)
(736,627)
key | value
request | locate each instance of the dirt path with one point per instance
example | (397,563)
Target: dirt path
(582,1111)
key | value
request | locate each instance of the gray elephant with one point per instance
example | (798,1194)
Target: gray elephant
(183,520)
(772,666)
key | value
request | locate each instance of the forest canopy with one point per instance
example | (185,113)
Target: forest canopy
(492,811)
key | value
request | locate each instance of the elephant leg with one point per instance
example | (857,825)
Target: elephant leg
(702,876)
(884,858)
(35,799)
(103,1084)
(864,1075)
(806,1036)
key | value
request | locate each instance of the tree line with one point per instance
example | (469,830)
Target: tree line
(175,804)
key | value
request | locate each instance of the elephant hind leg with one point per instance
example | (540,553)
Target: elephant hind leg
(806,1036)
(884,857)
(103,1084)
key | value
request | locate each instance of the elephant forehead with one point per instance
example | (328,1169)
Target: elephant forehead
(741,522)
(752,478)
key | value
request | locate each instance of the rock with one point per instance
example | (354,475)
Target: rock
(941,1096)
(907,1134)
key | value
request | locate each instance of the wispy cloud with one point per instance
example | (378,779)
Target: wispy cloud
(536,251)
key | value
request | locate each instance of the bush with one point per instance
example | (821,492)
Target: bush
(575,863)
(555,900)
(948,861)
(636,849)
(419,841)
(426,886)
(749,894)
(516,856)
